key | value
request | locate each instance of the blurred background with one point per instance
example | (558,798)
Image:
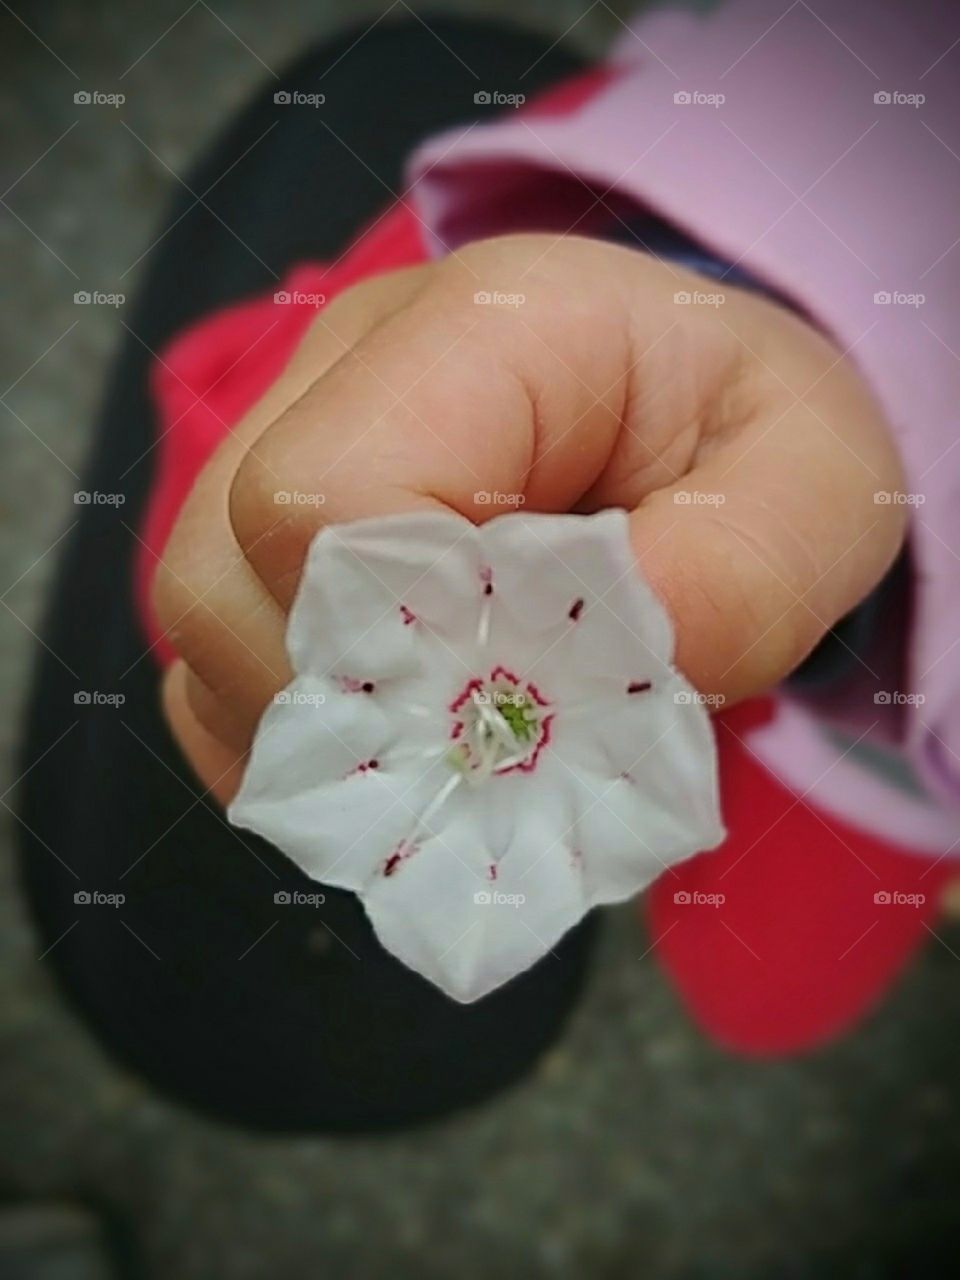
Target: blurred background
(636,1148)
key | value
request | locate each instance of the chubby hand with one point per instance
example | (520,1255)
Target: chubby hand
(744,445)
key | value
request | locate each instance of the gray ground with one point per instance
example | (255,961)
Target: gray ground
(636,1148)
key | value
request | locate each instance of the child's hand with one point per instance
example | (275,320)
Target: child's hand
(744,444)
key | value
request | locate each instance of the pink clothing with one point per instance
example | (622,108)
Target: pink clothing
(845,199)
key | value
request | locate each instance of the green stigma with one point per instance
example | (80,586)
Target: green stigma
(515,714)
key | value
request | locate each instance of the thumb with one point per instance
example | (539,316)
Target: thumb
(774,533)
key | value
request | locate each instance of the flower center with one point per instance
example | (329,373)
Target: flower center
(500,723)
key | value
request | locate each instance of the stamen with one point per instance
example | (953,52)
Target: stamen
(500,724)
(446,790)
(483,626)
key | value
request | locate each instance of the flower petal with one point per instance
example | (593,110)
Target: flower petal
(365,583)
(347,833)
(474,907)
(643,773)
(570,586)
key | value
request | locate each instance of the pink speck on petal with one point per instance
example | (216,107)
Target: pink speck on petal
(363,767)
(405,849)
(350,684)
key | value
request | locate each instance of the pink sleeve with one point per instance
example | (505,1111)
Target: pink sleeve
(823,154)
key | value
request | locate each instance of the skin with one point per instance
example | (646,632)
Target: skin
(598,390)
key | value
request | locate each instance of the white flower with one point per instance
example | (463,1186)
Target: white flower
(484,737)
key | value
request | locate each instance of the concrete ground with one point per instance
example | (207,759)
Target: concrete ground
(636,1148)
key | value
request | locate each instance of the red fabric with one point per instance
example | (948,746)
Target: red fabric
(798,948)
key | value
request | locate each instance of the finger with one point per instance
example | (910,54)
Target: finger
(219,767)
(449,404)
(211,604)
(774,534)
